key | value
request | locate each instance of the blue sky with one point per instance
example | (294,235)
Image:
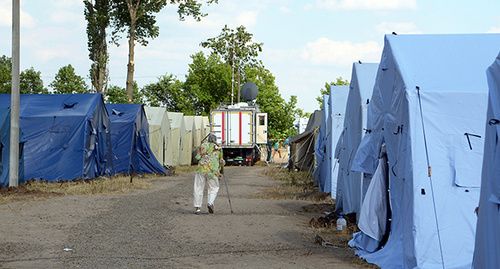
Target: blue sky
(306,43)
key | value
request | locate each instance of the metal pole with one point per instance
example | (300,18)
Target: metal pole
(14,106)
(229,198)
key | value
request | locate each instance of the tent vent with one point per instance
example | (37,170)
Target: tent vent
(493,122)
(422,191)
(116,112)
(367,101)
(69,105)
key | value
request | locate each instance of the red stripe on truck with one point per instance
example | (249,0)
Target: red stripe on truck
(223,128)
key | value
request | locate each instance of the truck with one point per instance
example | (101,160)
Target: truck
(241,129)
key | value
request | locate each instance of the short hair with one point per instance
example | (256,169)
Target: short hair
(212,138)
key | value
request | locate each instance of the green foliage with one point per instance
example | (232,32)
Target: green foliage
(97,13)
(326,89)
(31,82)
(236,47)
(281,114)
(67,82)
(5,74)
(117,95)
(208,83)
(137,19)
(166,92)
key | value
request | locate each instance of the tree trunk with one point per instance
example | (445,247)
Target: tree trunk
(102,60)
(130,66)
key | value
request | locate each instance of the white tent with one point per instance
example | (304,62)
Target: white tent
(186,153)
(205,126)
(334,124)
(349,184)
(198,132)
(176,139)
(159,128)
(429,108)
(486,252)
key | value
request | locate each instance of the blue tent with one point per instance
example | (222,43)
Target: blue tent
(130,140)
(333,124)
(488,223)
(350,187)
(322,167)
(67,136)
(428,108)
(5,149)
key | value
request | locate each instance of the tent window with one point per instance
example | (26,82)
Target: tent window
(468,160)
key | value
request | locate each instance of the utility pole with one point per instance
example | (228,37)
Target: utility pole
(14,98)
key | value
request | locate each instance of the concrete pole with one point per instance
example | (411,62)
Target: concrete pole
(14,105)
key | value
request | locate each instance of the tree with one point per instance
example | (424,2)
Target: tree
(66,81)
(281,114)
(236,48)
(5,74)
(326,90)
(97,14)
(208,81)
(137,19)
(166,92)
(31,82)
(117,95)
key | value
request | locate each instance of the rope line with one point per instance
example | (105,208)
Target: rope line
(430,178)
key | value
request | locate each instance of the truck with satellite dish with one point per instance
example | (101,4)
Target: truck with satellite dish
(240,128)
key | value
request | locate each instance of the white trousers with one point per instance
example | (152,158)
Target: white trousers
(199,187)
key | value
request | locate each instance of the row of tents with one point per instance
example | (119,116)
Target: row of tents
(78,136)
(411,147)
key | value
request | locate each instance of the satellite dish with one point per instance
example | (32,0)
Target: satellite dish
(249,91)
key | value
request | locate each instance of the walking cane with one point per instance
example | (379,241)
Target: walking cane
(229,198)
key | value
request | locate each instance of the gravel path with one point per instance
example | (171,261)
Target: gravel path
(156,228)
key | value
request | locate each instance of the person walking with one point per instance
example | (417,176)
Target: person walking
(269,146)
(276,149)
(210,164)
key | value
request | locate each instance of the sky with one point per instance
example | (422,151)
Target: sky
(306,43)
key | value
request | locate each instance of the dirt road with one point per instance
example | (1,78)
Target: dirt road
(156,228)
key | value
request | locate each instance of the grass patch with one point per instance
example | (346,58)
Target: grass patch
(35,190)
(183,169)
(296,186)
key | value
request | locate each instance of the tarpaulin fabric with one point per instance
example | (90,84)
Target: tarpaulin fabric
(349,183)
(429,108)
(5,150)
(322,168)
(176,139)
(130,140)
(159,128)
(187,149)
(336,110)
(67,136)
(302,145)
(487,245)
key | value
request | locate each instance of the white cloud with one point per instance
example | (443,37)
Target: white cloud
(329,52)
(285,10)
(398,27)
(494,29)
(6,15)
(338,5)
(247,18)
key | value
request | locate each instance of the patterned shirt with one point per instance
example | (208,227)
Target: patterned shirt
(210,160)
